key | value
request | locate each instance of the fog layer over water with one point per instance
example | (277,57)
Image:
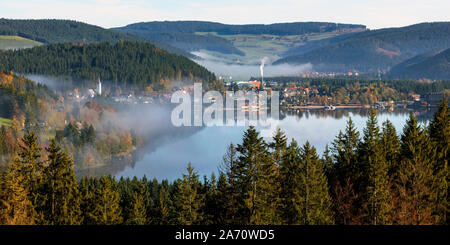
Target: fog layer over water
(205,147)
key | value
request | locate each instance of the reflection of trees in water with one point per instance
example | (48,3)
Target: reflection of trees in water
(422,114)
(162,133)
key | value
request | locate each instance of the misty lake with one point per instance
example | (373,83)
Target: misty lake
(205,147)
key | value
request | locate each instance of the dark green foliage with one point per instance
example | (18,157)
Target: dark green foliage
(124,63)
(186,41)
(59,190)
(435,67)
(375,50)
(373,180)
(295,28)
(439,131)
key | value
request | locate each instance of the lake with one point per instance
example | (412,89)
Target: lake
(205,147)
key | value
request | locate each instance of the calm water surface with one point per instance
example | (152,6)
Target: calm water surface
(205,147)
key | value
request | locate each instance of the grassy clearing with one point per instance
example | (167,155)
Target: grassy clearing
(16,42)
(5,121)
(256,47)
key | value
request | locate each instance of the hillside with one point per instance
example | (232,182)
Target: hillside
(124,63)
(237,43)
(375,50)
(61,31)
(16,42)
(186,41)
(431,66)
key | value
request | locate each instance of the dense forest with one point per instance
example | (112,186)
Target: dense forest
(49,31)
(295,28)
(187,41)
(375,178)
(375,50)
(124,63)
(435,66)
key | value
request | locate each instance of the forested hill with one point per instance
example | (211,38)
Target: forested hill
(124,63)
(60,31)
(432,66)
(295,28)
(50,31)
(190,35)
(376,50)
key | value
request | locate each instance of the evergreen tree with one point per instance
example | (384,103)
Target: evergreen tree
(390,144)
(414,200)
(374,171)
(256,177)
(290,183)
(232,205)
(191,201)
(278,145)
(59,189)
(106,209)
(345,154)
(315,199)
(140,202)
(439,131)
(164,206)
(15,203)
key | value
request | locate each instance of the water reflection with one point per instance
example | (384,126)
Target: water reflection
(204,147)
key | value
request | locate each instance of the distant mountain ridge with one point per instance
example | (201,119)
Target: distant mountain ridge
(374,50)
(294,28)
(50,31)
(225,38)
(433,65)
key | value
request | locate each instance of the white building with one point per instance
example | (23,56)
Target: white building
(99,87)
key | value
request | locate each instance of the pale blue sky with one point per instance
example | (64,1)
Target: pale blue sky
(111,13)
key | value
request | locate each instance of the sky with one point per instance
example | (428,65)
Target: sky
(374,14)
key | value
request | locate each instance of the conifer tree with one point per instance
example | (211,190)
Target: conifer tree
(278,145)
(15,203)
(439,131)
(315,200)
(256,179)
(106,209)
(230,194)
(191,201)
(60,189)
(140,202)
(414,197)
(390,144)
(374,171)
(345,153)
(164,206)
(290,182)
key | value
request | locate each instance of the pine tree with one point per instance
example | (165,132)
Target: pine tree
(59,189)
(140,202)
(191,201)
(256,177)
(232,205)
(390,144)
(106,209)
(414,200)
(345,154)
(15,203)
(164,206)
(439,131)
(290,182)
(374,171)
(278,145)
(315,199)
